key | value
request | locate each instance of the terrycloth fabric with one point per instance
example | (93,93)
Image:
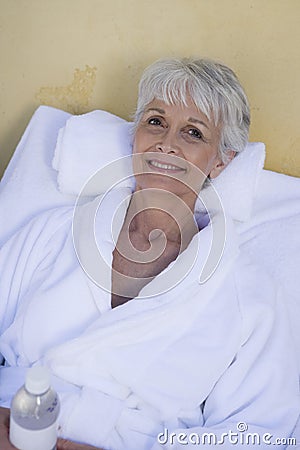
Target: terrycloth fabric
(30,187)
(88,143)
(40,278)
(151,363)
(237,184)
(294,442)
(29,184)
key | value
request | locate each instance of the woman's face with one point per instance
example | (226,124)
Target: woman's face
(175,148)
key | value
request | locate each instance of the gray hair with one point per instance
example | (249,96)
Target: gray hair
(214,88)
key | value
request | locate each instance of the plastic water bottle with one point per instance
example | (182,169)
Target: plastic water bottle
(34,412)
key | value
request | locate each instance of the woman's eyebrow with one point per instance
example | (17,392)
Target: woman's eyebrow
(161,111)
(190,119)
(193,120)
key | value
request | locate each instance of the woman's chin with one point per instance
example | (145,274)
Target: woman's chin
(177,186)
(161,181)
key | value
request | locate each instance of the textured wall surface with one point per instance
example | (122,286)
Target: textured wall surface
(80,55)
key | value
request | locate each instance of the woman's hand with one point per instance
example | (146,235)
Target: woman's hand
(4,427)
(63,444)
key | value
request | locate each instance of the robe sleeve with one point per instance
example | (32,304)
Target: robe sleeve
(255,403)
(23,258)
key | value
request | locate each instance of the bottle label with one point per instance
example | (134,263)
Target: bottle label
(25,439)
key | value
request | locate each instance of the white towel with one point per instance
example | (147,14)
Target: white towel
(86,144)
(29,184)
(236,185)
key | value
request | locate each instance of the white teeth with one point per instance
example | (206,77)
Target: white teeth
(164,166)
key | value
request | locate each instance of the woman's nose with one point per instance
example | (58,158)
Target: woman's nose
(165,148)
(167,145)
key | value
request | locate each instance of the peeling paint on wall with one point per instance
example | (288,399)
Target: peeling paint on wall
(73,97)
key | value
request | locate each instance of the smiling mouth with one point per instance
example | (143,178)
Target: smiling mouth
(162,167)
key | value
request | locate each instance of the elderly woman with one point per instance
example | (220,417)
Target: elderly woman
(163,358)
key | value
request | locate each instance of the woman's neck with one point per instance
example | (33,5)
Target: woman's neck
(152,213)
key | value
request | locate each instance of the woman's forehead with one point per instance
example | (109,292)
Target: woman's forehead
(189,109)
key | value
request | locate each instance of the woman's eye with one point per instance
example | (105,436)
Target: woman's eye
(195,133)
(154,121)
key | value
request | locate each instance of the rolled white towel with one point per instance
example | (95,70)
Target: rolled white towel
(85,145)
(236,185)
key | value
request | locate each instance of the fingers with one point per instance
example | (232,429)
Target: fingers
(4,423)
(62,444)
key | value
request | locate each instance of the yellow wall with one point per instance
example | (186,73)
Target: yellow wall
(81,55)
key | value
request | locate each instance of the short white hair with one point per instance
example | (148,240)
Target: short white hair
(214,88)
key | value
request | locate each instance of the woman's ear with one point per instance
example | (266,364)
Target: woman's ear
(220,166)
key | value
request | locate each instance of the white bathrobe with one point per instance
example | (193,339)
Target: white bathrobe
(213,357)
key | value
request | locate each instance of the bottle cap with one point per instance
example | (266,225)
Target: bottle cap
(37,380)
